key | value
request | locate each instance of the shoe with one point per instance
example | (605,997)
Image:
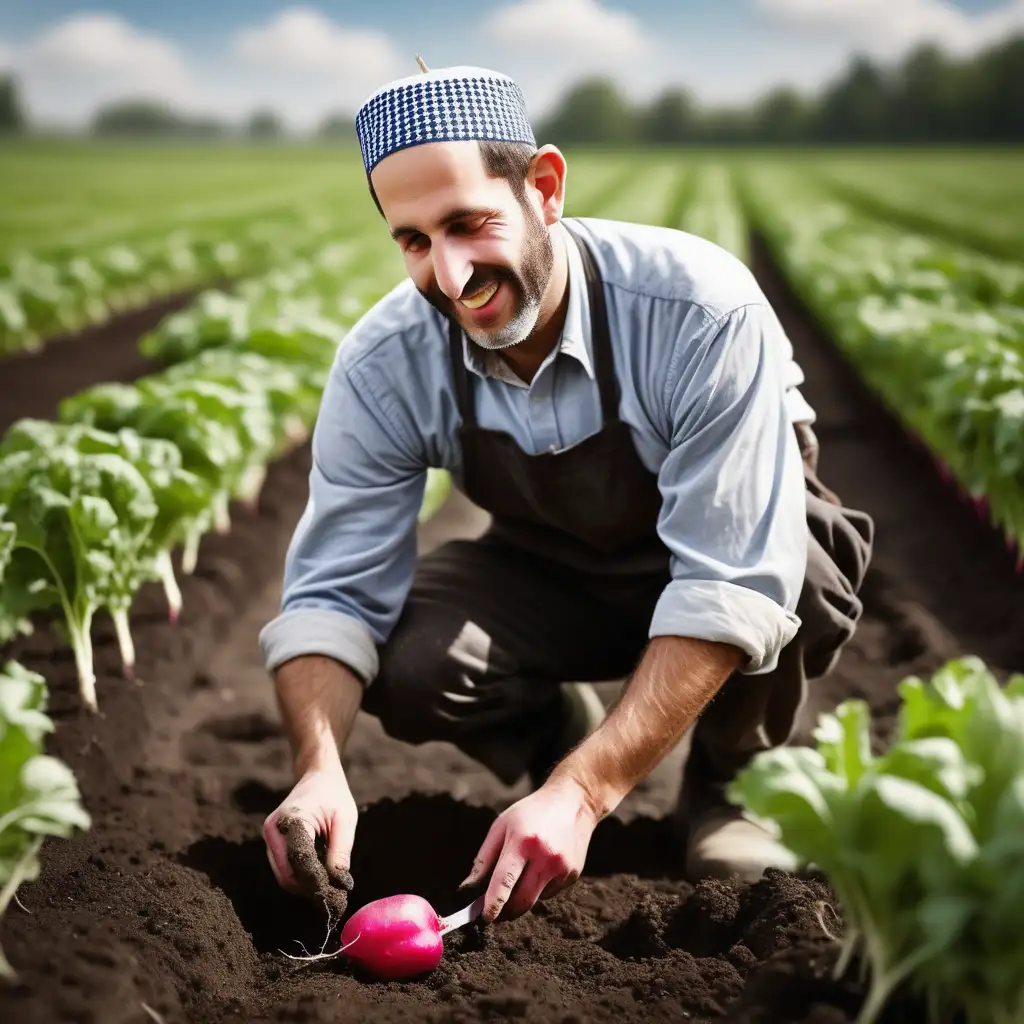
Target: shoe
(583,713)
(723,843)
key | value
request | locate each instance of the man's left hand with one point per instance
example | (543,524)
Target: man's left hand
(540,844)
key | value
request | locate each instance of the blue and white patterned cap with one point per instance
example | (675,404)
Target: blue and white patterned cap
(448,105)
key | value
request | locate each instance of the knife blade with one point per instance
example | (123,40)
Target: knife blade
(463,917)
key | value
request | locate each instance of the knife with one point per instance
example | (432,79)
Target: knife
(463,917)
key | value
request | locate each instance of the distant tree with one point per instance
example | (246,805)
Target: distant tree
(264,124)
(856,108)
(595,111)
(670,120)
(928,102)
(782,117)
(133,117)
(337,128)
(994,82)
(143,118)
(12,114)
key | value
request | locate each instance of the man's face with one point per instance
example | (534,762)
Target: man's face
(473,251)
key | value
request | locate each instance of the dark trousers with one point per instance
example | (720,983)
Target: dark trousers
(488,631)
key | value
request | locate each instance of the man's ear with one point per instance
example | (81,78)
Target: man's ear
(546,179)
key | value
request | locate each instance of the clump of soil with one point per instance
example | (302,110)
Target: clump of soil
(321,882)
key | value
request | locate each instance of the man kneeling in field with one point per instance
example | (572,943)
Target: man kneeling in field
(622,400)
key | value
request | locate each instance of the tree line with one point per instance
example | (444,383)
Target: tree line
(927,98)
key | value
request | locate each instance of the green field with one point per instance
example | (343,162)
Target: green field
(913,263)
(912,259)
(58,195)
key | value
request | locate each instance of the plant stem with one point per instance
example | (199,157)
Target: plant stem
(251,485)
(190,551)
(165,573)
(122,627)
(221,513)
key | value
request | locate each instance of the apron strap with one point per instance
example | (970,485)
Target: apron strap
(604,364)
(463,394)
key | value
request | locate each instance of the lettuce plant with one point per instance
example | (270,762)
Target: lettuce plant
(923,845)
(38,794)
(82,522)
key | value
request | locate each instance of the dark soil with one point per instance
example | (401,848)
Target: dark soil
(32,383)
(168,910)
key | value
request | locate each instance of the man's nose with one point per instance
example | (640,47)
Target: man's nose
(452,268)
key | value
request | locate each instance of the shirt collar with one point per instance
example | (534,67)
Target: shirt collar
(575,341)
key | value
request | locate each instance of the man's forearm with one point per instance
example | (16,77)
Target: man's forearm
(672,685)
(319,698)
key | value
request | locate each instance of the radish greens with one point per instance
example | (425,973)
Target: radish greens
(923,845)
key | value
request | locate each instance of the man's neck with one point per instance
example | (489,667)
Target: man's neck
(525,358)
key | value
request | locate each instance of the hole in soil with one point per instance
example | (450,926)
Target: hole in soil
(271,916)
(250,728)
(421,844)
(255,797)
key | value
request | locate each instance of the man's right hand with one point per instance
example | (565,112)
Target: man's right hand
(319,699)
(322,804)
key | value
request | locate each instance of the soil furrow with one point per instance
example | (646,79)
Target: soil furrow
(33,383)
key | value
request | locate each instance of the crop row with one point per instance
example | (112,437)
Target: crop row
(92,506)
(41,296)
(936,330)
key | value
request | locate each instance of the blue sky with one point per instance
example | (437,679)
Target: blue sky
(307,59)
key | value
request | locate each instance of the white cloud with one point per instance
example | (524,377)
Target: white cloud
(302,40)
(304,65)
(570,28)
(95,45)
(889,27)
(88,59)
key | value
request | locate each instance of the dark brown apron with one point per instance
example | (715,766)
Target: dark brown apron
(593,506)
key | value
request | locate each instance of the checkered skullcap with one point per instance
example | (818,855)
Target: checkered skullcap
(448,105)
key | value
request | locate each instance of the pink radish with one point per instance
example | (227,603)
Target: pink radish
(398,936)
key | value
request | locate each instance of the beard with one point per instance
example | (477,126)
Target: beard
(527,285)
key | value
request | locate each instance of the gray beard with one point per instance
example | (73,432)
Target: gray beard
(517,330)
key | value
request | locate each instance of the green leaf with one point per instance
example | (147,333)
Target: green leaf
(844,741)
(935,762)
(792,787)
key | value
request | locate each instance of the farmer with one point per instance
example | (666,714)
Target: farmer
(622,400)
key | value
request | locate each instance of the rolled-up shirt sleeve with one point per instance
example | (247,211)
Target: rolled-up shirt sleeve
(350,562)
(733,496)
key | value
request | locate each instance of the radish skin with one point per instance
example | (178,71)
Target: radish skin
(398,937)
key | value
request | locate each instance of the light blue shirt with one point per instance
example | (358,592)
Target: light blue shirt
(709,390)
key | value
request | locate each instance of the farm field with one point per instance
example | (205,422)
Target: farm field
(908,322)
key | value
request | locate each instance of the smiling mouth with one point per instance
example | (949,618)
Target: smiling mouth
(482,297)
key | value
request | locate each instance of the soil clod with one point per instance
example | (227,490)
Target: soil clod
(323,884)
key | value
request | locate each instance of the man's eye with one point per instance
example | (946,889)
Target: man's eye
(417,243)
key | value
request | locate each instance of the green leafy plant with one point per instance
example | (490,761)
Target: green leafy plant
(923,845)
(38,794)
(935,329)
(82,522)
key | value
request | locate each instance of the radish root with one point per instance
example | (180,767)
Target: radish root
(312,957)
(822,907)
